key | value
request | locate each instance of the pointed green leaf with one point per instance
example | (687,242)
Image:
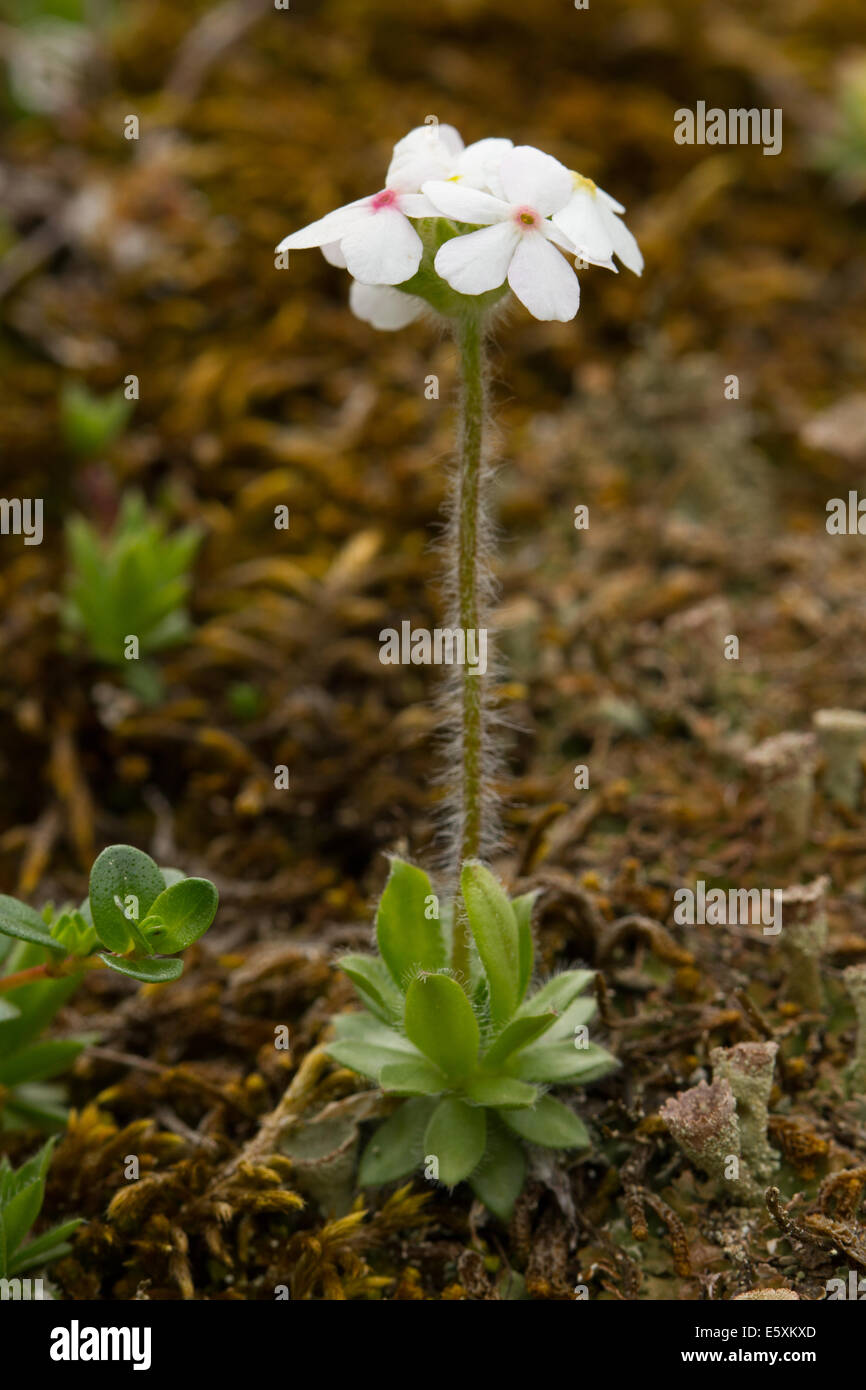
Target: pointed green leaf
(397,1145)
(519,1033)
(45,1248)
(550,1123)
(494,927)
(419,1078)
(523,913)
(499,1177)
(21,1211)
(549,1062)
(39,1061)
(408,939)
(366,1045)
(456,1135)
(122,872)
(24,922)
(372,980)
(180,915)
(579,1012)
(149,971)
(500,1091)
(558,993)
(439,1020)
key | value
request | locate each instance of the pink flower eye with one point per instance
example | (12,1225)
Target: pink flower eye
(386,199)
(526,217)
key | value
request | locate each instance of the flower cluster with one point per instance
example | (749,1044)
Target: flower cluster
(456,222)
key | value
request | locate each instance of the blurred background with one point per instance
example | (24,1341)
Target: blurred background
(152,259)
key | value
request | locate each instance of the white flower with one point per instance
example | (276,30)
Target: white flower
(372,237)
(437,152)
(516,235)
(591,221)
(383,306)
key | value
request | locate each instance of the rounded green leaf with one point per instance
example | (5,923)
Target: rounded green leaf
(148,971)
(550,1123)
(500,1090)
(180,915)
(439,1020)
(409,939)
(494,927)
(500,1175)
(456,1136)
(397,1145)
(129,876)
(24,922)
(419,1078)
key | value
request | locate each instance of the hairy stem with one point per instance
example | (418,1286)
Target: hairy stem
(470,341)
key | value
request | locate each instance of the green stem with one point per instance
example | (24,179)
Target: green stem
(470,341)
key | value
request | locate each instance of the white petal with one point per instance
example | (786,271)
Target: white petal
(611,202)
(532,177)
(427,152)
(552,232)
(427,135)
(384,307)
(416,205)
(384,250)
(479,163)
(465,204)
(408,171)
(333,227)
(581,220)
(479,261)
(624,244)
(542,280)
(333,255)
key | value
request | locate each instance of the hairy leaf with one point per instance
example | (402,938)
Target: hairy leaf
(522,907)
(501,1091)
(419,1078)
(499,1177)
(558,993)
(494,927)
(439,1020)
(408,940)
(549,1062)
(397,1145)
(516,1035)
(550,1123)
(373,981)
(456,1136)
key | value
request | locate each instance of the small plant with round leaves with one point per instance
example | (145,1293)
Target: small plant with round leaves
(136,920)
(474,1057)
